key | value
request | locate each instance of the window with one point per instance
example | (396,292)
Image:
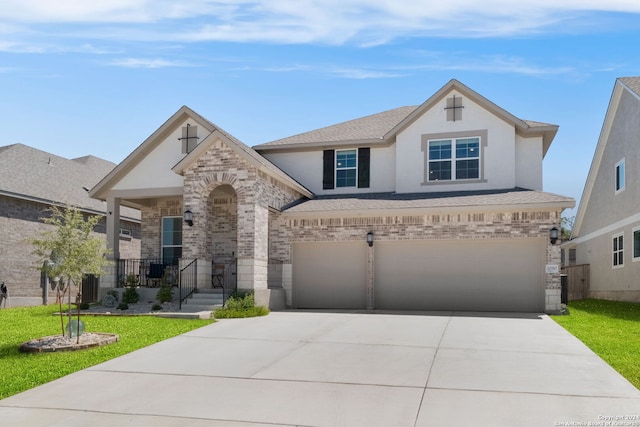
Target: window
(618,250)
(636,244)
(346,168)
(125,233)
(454,159)
(171,239)
(620,176)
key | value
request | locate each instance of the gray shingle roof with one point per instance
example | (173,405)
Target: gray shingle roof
(29,173)
(444,200)
(632,82)
(370,127)
(379,127)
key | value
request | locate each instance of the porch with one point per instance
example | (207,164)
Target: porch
(186,278)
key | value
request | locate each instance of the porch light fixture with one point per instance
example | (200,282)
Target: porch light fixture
(554,235)
(370,238)
(188,217)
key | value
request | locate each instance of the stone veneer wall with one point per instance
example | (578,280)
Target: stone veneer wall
(255,191)
(285,231)
(20,223)
(152,225)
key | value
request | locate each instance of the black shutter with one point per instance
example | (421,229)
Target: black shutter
(363,167)
(327,170)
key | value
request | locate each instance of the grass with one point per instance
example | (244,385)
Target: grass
(22,371)
(609,328)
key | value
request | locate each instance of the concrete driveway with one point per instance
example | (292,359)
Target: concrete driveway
(344,369)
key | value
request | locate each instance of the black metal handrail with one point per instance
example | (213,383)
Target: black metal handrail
(188,282)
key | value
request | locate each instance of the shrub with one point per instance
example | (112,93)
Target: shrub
(239,301)
(123,306)
(226,313)
(130,296)
(114,294)
(239,306)
(84,306)
(156,307)
(164,294)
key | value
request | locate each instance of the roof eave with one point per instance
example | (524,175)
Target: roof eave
(99,191)
(547,206)
(320,144)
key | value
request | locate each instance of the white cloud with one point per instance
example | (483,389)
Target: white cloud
(362,22)
(146,63)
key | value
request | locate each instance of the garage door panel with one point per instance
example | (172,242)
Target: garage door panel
(500,275)
(329,275)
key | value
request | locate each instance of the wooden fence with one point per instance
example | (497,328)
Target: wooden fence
(577,281)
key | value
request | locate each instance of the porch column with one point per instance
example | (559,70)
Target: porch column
(109,279)
(253,249)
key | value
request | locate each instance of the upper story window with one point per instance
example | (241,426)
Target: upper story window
(636,244)
(171,239)
(620,176)
(346,168)
(618,250)
(453,159)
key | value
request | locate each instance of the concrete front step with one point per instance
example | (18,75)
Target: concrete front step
(214,291)
(207,299)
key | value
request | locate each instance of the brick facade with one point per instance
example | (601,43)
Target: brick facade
(20,222)
(283,232)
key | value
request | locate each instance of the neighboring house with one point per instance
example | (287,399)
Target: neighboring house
(434,207)
(31,182)
(606,233)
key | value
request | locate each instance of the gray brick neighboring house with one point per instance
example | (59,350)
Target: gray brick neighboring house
(431,207)
(31,181)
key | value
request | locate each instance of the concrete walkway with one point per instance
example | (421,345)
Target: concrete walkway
(344,369)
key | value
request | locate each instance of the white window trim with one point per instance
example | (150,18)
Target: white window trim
(615,236)
(615,178)
(335,169)
(453,159)
(633,257)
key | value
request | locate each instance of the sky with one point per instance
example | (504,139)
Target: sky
(98,77)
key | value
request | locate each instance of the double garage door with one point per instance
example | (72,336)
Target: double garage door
(468,275)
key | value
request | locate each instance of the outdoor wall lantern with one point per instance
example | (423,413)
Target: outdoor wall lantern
(370,238)
(554,234)
(188,217)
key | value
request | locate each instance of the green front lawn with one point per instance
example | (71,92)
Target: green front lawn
(22,371)
(611,329)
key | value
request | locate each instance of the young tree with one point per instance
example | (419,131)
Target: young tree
(75,252)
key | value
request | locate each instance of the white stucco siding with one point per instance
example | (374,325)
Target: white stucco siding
(498,160)
(306,168)
(154,170)
(529,163)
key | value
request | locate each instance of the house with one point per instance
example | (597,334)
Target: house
(606,232)
(432,207)
(32,181)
